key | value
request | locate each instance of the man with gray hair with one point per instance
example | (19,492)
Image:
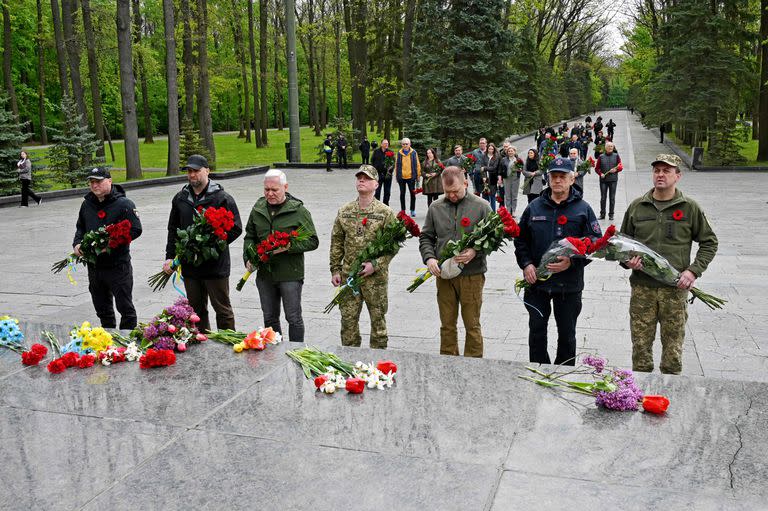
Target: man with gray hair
(608,167)
(407,172)
(283,278)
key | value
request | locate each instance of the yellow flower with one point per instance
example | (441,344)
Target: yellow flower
(238,347)
(96,339)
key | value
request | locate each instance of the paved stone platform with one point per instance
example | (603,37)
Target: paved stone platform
(220,430)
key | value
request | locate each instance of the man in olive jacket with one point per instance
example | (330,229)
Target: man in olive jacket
(283,277)
(668,222)
(444,223)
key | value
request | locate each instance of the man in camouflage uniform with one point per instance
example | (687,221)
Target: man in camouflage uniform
(355,226)
(668,222)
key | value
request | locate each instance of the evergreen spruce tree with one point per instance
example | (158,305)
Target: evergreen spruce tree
(725,140)
(72,156)
(191,143)
(11,138)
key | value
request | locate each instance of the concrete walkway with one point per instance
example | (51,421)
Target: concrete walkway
(732,343)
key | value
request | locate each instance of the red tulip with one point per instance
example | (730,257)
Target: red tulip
(655,404)
(386,366)
(320,380)
(355,385)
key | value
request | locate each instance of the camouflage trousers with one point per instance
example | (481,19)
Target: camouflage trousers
(666,306)
(373,291)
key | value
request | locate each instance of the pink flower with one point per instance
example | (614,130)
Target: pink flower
(182,346)
(201,337)
(194,318)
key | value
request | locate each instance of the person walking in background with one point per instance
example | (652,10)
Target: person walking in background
(365,150)
(574,157)
(407,172)
(481,159)
(328,150)
(610,127)
(533,183)
(432,168)
(383,170)
(608,167)
(490,175)
(510,170)
(24,167)
(341,151)
(457,160)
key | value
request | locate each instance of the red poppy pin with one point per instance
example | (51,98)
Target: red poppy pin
(365,221)
(562,220)
(678,214)
(101,214)
(465,222)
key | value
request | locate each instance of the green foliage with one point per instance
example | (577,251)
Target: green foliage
(72,156)
(11,138)
(191,143)
(340,126)
(725,140)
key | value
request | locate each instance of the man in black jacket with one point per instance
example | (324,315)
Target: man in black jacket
(365,151)
(112,275)
(210,279)
(558,213)
(385,172)
(341,151)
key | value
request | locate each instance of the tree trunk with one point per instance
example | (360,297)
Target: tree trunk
(237,33)
(137,26)
(188,61)
(61,53)
(355,19)
(127,90)
(7,49)
(204,94)
(762,147)
(277,79)
(69,19)
(93,74)
(41,73)
(254,77)
(263,7)
(410,14)
(172,86)
(337,61)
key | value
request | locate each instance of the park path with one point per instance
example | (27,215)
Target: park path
(732,343)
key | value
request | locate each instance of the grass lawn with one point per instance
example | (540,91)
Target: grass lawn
(748,151)
(231,152)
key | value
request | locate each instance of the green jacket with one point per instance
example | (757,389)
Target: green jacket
(653,224)
(288,265)
(443,224)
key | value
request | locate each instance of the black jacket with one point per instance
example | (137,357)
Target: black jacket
(492,170)
(377,160)
(183,207)
(116,207)
(365,147)
(539,228)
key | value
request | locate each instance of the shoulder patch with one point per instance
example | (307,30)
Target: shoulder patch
(596,227)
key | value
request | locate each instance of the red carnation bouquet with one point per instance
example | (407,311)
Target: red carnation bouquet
(469,164)
(103,240)
(205,239)
(586,165)
(389,163)
(388,241)
(489,235)
(566,247)
(260,255)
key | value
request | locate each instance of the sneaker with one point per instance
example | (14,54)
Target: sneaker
(610,217)
(601,217)
(329,170)
(413,213)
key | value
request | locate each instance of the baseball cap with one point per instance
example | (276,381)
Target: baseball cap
(196,162)
(368,170)
(669,159)
(560,164)
(99,173)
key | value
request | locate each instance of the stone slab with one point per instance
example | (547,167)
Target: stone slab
(235,472)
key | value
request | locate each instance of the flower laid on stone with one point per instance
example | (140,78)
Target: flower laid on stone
(80,352)
(276,243)
(205,239)
(35,355)
(157,358)
(565,247)
(489,235)
(612,388)
(173,328)
(388,240)
(256,340)
(100,241)
(622,248)
(11,336)
(86,339)
(331,373)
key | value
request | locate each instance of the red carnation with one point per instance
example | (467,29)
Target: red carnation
(294,234)
(56,366)
(101,214)
(365,221)
(39,349)
(655,404)
(70,359)
(264,258)
(678,214)
(465,222)
(386,366)
(86,361)
(199,209)
(31,358)
(320,380)
(355,385)
(562,220)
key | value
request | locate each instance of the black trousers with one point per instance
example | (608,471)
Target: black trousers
(567,308)
(342,155)
(410,184)
(608,190)
(385,183)
(108,284)
(366,157)
(199,291)
(328,160)
(26,193)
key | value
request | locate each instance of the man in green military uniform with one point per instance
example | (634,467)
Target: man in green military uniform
(668,222)
(283,278)
(355,226)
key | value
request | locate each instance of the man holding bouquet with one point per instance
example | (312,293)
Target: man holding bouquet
(558,213)
(209,279)
(448,218)
(355,226)
(282,279)
(668,222)
(112,275)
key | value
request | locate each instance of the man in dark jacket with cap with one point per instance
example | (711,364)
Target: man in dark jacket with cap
(209,279)
(112,275)
(558,213)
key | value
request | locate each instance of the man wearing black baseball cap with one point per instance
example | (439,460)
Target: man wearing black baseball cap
(558,213)
(111,277)
(209,279)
